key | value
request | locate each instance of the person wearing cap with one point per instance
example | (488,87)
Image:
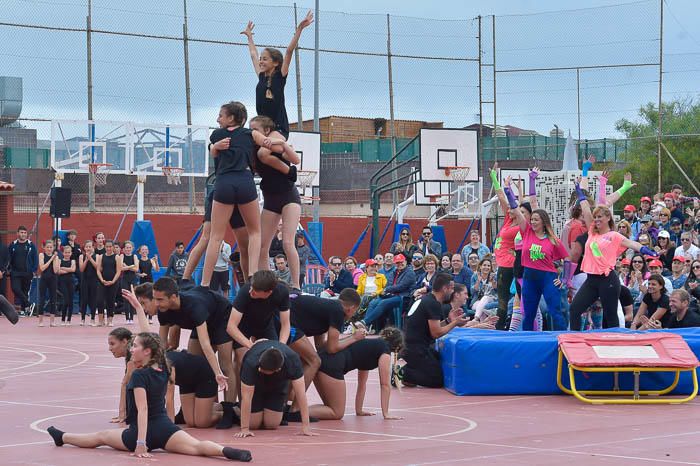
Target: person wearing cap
(644,206)
(678,276)
(393,294)
(665,248)
(675,231)
(630,215)
(371,283)
(648,227)
(687,249)
(656,267)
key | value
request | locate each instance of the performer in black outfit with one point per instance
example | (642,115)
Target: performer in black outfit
(66,283)
(109,266)
(147,265)
(130,267)
(89,282)
(147,391)
(266,372)
(206,313)
(49,264)
(364,356)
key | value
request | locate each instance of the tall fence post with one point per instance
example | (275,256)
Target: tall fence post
(661,74)
(91,176)
(394,194)
(188,104)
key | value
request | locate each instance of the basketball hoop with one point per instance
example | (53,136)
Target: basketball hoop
(172,174)
(458,174)
(309,199)
(439,200)
(305,178)
(100,172)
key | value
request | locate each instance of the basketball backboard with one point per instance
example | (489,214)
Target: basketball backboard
(77,143)
(180,146)
(308,146)
(441,148)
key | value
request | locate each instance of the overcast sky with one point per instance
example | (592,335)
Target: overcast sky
(142,79)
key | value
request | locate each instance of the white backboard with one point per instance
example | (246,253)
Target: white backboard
(441,148)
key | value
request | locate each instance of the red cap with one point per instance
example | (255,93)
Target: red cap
(656,263)
(669,196)
(625,261)
(369,262)
(645,198)
(679,259)
(630,208)
(399,258)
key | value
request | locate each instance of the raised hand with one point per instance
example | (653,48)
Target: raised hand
(306,22)
(534,172)
(248,31)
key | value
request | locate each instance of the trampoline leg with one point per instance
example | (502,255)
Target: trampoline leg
(636,385)
(616,385)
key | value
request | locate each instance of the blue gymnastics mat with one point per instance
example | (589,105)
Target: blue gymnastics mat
(491,362)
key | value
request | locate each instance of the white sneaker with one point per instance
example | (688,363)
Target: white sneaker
(31,309)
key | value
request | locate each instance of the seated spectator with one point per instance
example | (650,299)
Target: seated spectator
(424,282)
(682,315)
(673,206)
(692,284)
(654,306)
(305,255)
(624,228)
(417,263)
(644,206)
(404,245)
(446,263)
(649,229)
(371,284)
(355,271)
(473,262)
(282,271)
(379,260)
(474,246)
(630,216)
(665,219)
(484,290)
(676,231)
(388,269)
(393,294)
(656,268)
(665,248)
(460,273)
(687,249)
(337,279)
(678,276)
(637,276)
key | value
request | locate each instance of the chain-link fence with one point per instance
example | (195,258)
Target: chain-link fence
(520,75)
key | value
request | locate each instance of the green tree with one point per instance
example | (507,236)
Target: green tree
(681,120)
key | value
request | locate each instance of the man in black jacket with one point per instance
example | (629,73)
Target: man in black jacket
(337,279)
(23,262)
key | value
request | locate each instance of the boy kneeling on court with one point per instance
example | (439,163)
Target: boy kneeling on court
(267,369)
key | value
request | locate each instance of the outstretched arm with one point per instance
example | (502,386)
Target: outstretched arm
(583,200)
(293,43)
(497,187)
(626,186)
(248,32)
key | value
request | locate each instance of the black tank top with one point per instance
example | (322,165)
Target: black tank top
(100,252)
(129,261)
(109,266)
(90,274)
(269,99)
(66,276)
(273,181)
(239,156)
(146,266)
(48,273)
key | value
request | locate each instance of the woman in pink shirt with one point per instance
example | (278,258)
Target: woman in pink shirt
(541,248)
(599,259)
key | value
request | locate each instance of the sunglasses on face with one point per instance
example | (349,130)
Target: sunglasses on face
(637,262)
(685,239)
(404,234)
(417,258)
(336,263)
(696,267)
(427,233)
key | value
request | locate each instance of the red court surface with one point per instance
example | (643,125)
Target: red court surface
(66,377)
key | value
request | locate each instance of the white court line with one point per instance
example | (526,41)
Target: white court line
(34,425)
(79,399)
(374,434)
(42,358)
(43,405)
(26,444)
(86,358)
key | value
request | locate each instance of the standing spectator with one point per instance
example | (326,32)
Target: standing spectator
(305,254)
(219,278)
(23,261)
(337,278)
(389,268)
(49,266)
(426,244)
(687,249)
(177,262)
(277,245)
(404,245)
(282,271)
(4,264)
(128,280)
(673,206)
(146,265)
(475,246)
(66,272)
(355,271)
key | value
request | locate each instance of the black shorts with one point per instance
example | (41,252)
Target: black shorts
(236,221)
(219,281)
(275,202)
(207,206)
(333,365)
(235,188)
(269,333)
(217,336)
(205,388)
(160,429)
(518,265)
(272,400)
